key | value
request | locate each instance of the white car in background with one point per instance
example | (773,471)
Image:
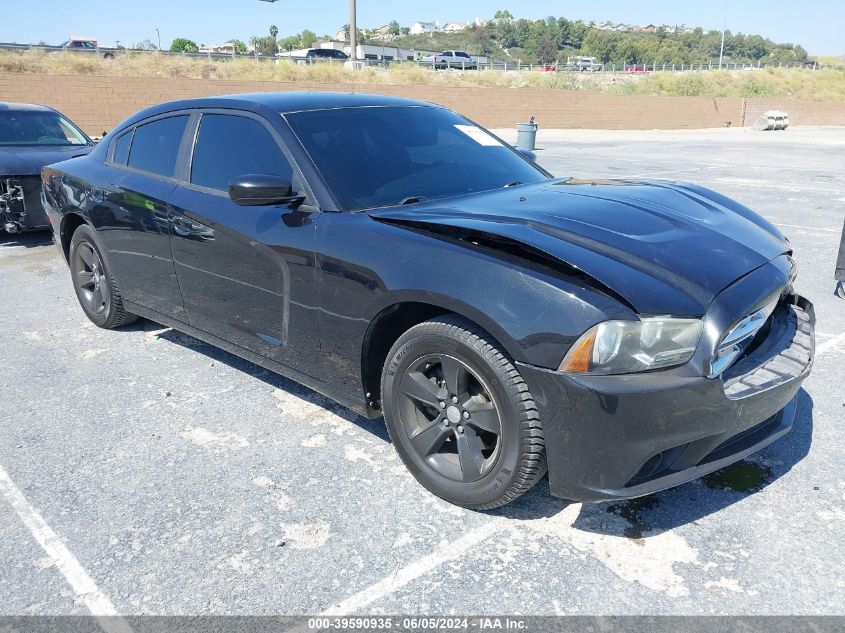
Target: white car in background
(452,59)
(79,44)
(584,64)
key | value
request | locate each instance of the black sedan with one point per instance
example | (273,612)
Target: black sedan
(391,254)
(31,137)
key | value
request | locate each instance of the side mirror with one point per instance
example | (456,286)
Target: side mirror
(528,154)
(254,190)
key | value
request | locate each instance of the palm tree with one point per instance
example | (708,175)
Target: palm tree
(274,32)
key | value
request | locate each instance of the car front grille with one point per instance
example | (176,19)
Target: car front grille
(739,338)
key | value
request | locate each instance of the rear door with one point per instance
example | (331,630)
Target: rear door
(247,273)
(133,213)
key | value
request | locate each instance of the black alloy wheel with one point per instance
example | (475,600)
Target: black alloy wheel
(460,415)
(450,417)
(95,285)
(89,279)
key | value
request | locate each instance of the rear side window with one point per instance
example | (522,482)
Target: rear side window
(121,148)
(231,146)
(155,146)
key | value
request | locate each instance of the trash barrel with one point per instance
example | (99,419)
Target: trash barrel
(526,137)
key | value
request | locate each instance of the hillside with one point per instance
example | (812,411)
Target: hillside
(555,39)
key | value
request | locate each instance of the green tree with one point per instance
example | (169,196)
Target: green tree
(146,45)
(547,49)
(290,43)
(394,28)
(264,45)
(183,45)
(307,38)
(274,33)
(482,39)
(505,34)
(503,15)
(240,46)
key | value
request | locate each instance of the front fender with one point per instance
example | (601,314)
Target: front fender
(365,266)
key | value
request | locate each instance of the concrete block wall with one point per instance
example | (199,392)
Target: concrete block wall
(98,103)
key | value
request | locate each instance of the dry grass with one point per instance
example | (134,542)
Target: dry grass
(812,85)
(823,85)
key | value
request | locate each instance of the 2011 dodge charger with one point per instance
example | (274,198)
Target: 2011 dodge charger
(391,254)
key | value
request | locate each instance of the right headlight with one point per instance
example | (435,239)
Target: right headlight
(624,347)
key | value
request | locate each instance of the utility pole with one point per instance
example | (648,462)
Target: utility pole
(724,28)
(353,32)
(159,39)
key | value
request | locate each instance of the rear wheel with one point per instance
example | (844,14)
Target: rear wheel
(461,416)
(95,285)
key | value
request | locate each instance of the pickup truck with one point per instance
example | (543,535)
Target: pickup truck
(452,59)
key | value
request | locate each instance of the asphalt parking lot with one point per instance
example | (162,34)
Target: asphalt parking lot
(145,472)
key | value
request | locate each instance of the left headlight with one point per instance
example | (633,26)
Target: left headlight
(624,347)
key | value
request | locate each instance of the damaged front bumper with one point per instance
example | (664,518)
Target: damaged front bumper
(618,437)
(20,204)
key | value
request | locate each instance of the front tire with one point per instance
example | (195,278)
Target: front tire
(94,282)
(460,415)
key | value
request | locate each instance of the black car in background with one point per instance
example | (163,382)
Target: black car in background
(316,54)
(31,137)
(628,336)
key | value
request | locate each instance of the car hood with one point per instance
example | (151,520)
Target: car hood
(666,248)
(28,161)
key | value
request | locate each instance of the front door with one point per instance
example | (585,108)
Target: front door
(247,273)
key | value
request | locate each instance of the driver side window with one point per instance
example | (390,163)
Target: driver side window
(229,146)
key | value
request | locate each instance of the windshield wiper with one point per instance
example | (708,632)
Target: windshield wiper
(411,200)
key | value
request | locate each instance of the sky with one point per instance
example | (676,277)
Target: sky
(817,25)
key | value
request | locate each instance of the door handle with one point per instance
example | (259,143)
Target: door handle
(185,227)
(181,226)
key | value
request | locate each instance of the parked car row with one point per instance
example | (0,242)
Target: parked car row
(624,336)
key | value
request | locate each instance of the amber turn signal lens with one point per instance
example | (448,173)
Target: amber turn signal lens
(577,360)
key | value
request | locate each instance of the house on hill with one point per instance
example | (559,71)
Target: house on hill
(420,28)
(455,27)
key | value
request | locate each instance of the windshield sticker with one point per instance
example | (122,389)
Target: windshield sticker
(478,135)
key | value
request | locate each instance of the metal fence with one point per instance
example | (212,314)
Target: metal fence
(464,65)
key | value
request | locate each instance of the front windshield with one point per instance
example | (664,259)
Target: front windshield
(382,156)
(37,127)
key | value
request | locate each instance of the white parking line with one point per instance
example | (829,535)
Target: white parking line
(83,586)
(649,174)
(449,551)
(808,228)
(830,344)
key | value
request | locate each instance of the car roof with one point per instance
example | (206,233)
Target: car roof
(281,102)
(23,107)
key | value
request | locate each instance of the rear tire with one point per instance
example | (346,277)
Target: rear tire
(461,416)
(94,283)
